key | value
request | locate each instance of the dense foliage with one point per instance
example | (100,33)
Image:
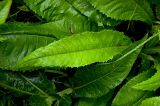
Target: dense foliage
(79,53)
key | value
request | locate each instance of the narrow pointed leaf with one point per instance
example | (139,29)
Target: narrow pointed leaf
(78,50)
(4,10)
(150,84)
(125,9)
(56,29)
(133,97)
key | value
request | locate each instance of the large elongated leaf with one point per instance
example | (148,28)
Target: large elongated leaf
(78,50)
(53,10)
(56,29)
(16,46)
(125,9)
(21,39)
(154,101)
(97,80)
(4,10)
(127,96)
(152,83)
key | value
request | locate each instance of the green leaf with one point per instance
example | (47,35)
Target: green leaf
(101,101)
(26,86)
(11,52)
(2,39)
(152,83)
(125,9)
(40,101)
(63,101)
(84,49)
(97,80)
(4,10)
(54,10)
(56,29)
(154,101)
(21,39)
(85,8)
(133,97)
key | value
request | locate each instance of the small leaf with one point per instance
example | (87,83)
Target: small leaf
(78,50)
(154,101)
(125,9)
(152,83)
(4,10)
(127,96)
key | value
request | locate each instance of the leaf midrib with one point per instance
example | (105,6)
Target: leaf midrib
(72,52)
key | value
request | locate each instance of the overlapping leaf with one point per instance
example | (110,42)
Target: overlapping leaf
(78,50)
(94,15)
(125,9)
(16,46)
(53,10)
(4,10)
(56,29)
(154,101)
(150,84)
(127,96)
(100,79)
(29,37)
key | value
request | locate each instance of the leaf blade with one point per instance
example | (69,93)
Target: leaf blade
(102,77)
(127,90)
(154,101)
(84,48)
(150,84)
(128,10)
(4,10)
